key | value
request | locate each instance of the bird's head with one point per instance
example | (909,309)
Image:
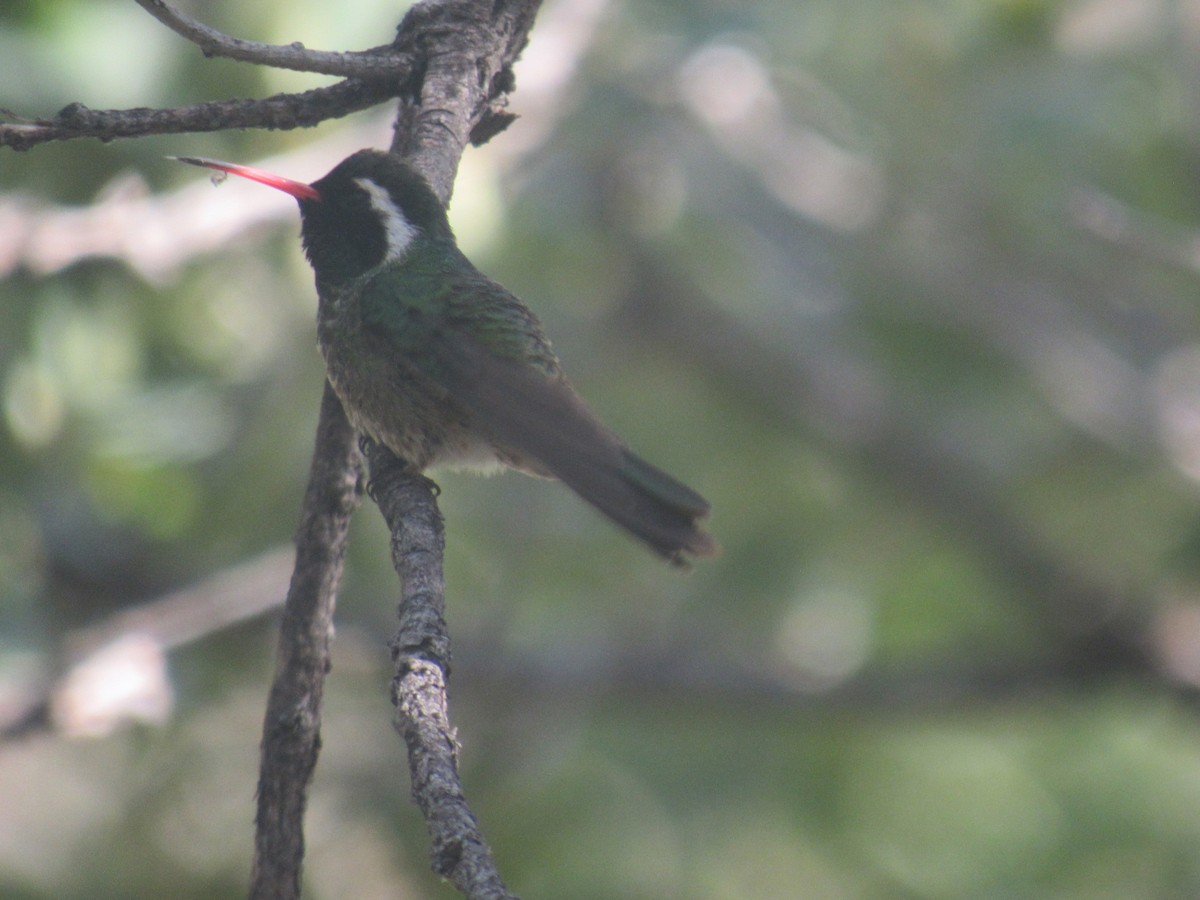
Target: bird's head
(368,210)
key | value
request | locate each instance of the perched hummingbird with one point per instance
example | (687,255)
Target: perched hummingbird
(443,366)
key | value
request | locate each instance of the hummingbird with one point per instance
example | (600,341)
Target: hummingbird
(444,367)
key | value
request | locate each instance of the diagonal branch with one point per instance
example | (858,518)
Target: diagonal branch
(378,62)
(281,112)
(421,653)
(292,724)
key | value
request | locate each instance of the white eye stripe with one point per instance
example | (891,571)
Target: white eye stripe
(398,231)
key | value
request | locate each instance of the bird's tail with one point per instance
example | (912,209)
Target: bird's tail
(542,420)
(654,507)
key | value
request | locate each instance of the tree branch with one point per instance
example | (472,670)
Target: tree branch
(463,92)
(421,653)
(469,48)
(278,112)
(378,62)
(292,725)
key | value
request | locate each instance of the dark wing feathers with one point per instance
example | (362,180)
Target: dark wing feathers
(487,351)
(544,418)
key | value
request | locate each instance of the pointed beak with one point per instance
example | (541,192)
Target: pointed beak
(297,189)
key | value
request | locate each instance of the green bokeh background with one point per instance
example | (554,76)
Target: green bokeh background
(907,289)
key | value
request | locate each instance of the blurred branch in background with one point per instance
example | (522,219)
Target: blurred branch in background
(156,235)
(1107,218)
(115,671)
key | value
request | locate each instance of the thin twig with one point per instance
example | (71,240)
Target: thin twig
(378,62)
(281,112)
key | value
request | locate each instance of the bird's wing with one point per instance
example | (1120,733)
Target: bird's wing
(488,353)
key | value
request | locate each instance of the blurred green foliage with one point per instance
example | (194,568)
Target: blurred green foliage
(907,289)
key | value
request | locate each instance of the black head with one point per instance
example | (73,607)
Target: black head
(370,208)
